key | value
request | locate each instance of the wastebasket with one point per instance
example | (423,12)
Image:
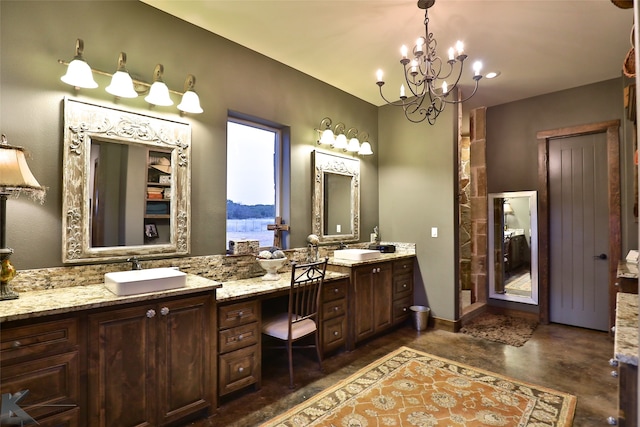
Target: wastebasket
(420,317)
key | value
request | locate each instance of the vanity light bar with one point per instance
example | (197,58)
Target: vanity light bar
(80,75)
(338,139)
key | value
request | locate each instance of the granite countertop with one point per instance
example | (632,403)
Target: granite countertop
(76,298)
(238,289)
(383,257)
(627,270)
(625,346)
(40,303)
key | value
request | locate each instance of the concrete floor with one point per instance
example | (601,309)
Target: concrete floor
(561,357)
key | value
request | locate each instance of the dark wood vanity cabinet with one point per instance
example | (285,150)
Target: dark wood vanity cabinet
(333,332)
(379,296)
(371,299)
(402,289)
(150,364)
(44,357)
(239,349)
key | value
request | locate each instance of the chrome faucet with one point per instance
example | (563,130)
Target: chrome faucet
(135,263)
(342,246)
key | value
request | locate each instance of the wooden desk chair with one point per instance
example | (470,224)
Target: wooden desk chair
(301,319)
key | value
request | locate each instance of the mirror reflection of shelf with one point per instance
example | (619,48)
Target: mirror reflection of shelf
(158,187)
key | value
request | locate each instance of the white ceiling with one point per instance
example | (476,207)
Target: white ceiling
(539,46)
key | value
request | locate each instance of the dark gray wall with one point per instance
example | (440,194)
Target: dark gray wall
(35,34)
(418,180)
(512,150)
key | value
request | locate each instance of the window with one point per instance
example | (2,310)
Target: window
(253,180)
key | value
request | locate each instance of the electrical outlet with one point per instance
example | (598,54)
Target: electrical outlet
(338,228)
(434,231)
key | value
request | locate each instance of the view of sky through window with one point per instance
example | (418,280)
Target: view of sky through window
(251,187)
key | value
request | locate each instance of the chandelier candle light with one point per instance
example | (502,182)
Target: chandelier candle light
(426,76)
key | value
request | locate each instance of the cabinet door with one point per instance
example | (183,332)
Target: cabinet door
(184,357)
(382,306)
(363,296)
(53,386)
(122,355)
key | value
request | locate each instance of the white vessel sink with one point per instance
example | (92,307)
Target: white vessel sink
(143,281)
(356,254)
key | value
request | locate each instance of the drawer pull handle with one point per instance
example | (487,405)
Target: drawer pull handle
(240,369)
(614,374)
(151,313)
(16,344)
(164,311)
(612,421)
(336,290)
(613,362)
(240,337)
(335,333)
(404,285)
(240,313)
(336,308)
(404,309)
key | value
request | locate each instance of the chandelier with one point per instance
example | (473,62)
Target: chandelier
(429,79)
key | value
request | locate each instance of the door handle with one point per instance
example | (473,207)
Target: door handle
(601,256)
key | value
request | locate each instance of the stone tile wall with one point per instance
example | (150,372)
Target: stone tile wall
(216,267)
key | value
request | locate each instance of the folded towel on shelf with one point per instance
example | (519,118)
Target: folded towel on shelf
(157,208)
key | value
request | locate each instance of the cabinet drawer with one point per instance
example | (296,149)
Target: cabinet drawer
(51,381)
(238,337)
(69,418)
(402,285)
(38,339)
(334,333)
(238,369)
(401,309)
(238,314)
(334,290)
(333,309)
(402,266)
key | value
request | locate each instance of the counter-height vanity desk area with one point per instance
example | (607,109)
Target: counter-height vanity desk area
(360,299)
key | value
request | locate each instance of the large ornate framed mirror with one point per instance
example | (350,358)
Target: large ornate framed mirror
(126,184)
(336,198)
(513,246)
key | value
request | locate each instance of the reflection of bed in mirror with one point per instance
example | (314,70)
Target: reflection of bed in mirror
(513,246)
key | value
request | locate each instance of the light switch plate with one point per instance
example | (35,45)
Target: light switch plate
(434,231)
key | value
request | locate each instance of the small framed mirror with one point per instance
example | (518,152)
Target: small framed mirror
(126,184)
(336,198)
(513,246)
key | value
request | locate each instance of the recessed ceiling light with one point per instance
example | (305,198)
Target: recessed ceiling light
(492,74)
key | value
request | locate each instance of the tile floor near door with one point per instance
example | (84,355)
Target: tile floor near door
(565,358)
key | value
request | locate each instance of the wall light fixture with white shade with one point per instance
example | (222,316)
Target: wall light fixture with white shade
(80,75)
(338,139)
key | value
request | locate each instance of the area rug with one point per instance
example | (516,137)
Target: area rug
(411,388)
(510,330)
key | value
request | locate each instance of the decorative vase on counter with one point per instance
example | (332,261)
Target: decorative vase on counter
(271,266)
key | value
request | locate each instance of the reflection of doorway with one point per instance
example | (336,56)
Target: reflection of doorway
(576,286)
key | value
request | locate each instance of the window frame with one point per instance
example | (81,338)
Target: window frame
(281,170)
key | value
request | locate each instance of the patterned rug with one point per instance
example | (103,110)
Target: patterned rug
(411,388)
(510,330)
